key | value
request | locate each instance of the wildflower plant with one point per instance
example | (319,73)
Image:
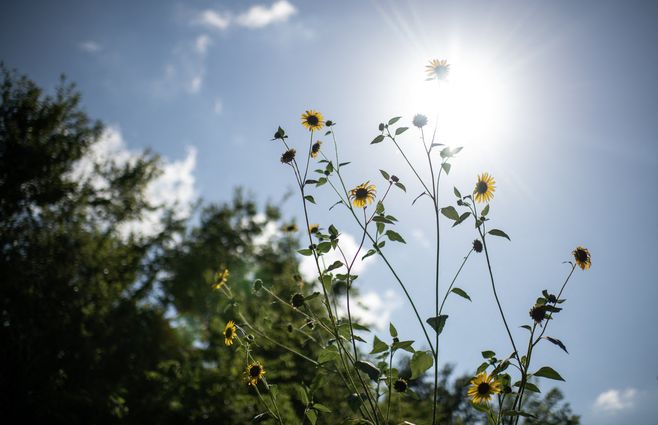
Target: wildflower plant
(371,380)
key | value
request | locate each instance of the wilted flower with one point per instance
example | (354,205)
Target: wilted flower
(582,257)
(288,156)
(400,385)
(477,246)
(538,313)
(315,149)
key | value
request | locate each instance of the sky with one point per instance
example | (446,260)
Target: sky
(558,100)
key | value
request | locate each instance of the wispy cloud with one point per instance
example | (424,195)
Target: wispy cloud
(349,246)
(370,308)
(202,43)
(218,106)
(213,19)
(90,46)
(613,400)
(257,16)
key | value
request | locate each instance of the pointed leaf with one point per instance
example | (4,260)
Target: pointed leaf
(548,372)
(461,293)
(420,362)
(498,232)
(438,322)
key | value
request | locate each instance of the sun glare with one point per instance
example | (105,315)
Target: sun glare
(470,104)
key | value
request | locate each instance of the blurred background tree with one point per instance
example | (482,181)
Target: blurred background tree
(101,323)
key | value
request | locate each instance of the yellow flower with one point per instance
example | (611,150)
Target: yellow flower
(482,388)
(230,333)
(437,69)
(582,257)
(363,194)
(313,120)
(221,279)
(254,373)
(313,228)
(315,149)
(290,228)
(484,188)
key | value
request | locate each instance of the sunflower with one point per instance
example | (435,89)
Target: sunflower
(484,188)
(363,194)
(400,385)
(290,228)
(313,228)
(582,257)
(482,388)
(313,120)
(288,156)
(437,69)
(315,149)
(221,279)
(230,333)
(477,246)
(538,313)
(254,373)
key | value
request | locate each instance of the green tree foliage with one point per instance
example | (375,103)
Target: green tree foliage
(100,325)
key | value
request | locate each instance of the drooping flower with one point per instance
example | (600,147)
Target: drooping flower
(221,279)
(482,388)
(315,149)
(313,120)
(582,257)
(254,373)
(363,194)
(437,69)
(477,246)
(230,333)
(484,188)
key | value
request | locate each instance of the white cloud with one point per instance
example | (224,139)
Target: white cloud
(370,308)
(195,83)
(348,244)
(174,188)
(90,46)
(214,19)
(613,401)
(202,43)
(420,236)
(218,106)
(259,16)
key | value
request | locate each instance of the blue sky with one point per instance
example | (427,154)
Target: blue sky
(558,100)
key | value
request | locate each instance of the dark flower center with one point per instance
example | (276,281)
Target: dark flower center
(254,371)
(581,255)
(315,148)
(481,187)
(312,120)
(228,333)
(400,385)
(483,388)
(361,193)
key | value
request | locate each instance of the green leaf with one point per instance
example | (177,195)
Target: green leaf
(518,413)
(461,293)
(403,345)
(556,342)
(450,212)
(377,139)
(548,372)
(369,253)
(420,362)
(526,327)
(498,232)
(401,186)
(368,368)
(438,322)
(380,207)
(532,387)
(337,203)
(312,416)
(462,218)
(393,120)
(385,174)
(335,265)
(327,355)
(302,394)
(305,252)
(485,210)
(310,199)
(378,346)
(446,167)
(488,354)
(392,330)
(446,153)
(456,192)
(321,408)
(394,236)
(400,130)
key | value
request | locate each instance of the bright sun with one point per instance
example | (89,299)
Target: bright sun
(469,104)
